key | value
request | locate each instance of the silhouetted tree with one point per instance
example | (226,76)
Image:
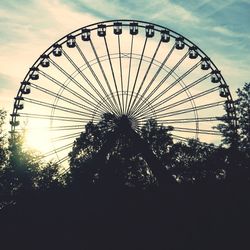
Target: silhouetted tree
(24,164)
(3,150)
(29,172)
(48,177)
(4,185)
(21,170)
(196,162)
(243,114)
(121,159)
(159,138)
(238,142)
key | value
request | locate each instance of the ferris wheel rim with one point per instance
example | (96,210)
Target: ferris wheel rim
(141,24)
(172,34)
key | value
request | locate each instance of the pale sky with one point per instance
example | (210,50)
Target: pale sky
(28,27)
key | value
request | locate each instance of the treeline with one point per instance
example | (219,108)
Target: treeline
(123,162)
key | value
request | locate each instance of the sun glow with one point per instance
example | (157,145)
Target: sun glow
(37,136)
(38,140)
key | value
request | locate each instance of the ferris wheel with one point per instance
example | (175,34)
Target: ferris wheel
(123,67)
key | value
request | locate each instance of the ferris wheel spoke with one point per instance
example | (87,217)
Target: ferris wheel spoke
(193,104)
(66,127)
(85,77)
(113,74)
(137,74)
(189,98)
(129,70)
(63,98)
(180,138)
(179,79)
(156,74)
(110,105)
(52,79)
(56,118)
(115,106)
(57,150)
(144,78)
(57,107)
(58,128)
(64,137)
(97,102)
(156,105)
(121,75)
(65,158)
(183,111)
(200,131)
(188,120)
(142,120)
(145,116)
(63,171)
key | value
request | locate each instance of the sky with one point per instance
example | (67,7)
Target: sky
(28,27)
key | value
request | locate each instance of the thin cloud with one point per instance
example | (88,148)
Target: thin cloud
(223,31)
(25,40)
(175,13)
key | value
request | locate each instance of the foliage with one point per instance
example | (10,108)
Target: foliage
(243,114)
(188,162)
(242,107)
(196,162)
(3,150)
(22,171)
(48,177)
(239,143)
(228,131)
(29,171)
(121,156)
(3,153)
(23,164)
(158,137)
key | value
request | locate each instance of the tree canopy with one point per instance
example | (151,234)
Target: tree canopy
(110,151)
(112,148)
